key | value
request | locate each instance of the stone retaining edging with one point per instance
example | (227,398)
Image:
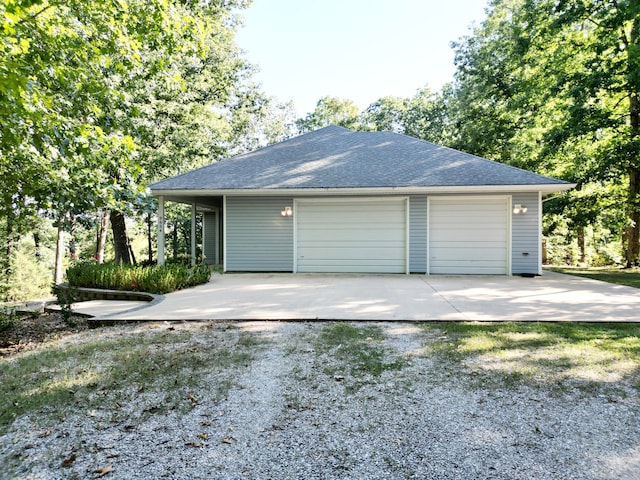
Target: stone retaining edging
(83,294)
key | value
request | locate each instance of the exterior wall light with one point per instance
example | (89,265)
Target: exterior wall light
(287,212)
(517,208)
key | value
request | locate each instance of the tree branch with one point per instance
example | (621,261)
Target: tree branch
(37,14)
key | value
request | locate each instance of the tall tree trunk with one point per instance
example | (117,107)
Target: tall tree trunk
(632,240)
(36,244)
(632,236)
(175,241)
(6,267)
(57,274)
(133,257)
(120,238)
(102,235)
(581,248)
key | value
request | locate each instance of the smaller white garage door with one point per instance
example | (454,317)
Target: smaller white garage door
(351,235)
(469,235)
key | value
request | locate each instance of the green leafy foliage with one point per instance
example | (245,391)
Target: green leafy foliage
(28,261)
(97,99)
(330,111)
(8,318)
(157,279)
(66,298)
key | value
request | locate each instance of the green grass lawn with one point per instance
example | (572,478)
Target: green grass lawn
(558,355)
(629,277)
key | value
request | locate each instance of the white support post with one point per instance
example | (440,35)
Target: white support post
(161,221)
(217,237)
(193,234)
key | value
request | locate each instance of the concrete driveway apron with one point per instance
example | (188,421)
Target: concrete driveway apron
(282,296)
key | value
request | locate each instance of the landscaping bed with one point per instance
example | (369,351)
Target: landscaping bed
(157,279)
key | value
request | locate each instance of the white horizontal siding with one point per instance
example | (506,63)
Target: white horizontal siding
(525,247)
(258,237)
(351,235)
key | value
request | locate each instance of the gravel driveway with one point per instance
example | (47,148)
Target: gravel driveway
(297,411)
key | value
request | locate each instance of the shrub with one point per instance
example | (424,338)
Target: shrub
(30,277)
(7,319)
(65,299)
(153,279)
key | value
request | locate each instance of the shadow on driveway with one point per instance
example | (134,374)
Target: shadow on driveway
(282,296)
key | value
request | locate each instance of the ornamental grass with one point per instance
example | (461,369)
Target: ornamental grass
(157,279)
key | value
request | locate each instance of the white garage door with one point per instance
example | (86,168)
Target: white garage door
(354,235)
(468,235)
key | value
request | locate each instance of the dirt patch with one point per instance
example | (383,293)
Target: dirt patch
(28,331)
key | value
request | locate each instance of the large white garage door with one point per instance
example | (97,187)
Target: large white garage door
(468,235)
(354,235)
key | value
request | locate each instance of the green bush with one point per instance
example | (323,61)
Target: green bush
(30,276)
(8,319)
(153,279)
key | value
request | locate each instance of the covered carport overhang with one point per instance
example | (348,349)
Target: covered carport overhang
(198,203)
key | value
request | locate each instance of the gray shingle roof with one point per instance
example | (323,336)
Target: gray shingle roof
(335,157)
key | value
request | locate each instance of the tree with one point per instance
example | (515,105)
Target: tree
(428,115)
(75,78)
(52,95)
(604,39)
(330,111)
(259,122)
(385,114)
(553,86)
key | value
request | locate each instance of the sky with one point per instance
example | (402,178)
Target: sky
(353,49)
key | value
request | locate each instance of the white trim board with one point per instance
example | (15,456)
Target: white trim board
(367,191)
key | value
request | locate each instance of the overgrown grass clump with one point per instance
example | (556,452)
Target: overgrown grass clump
(359,348)
(153,279)
(8,319)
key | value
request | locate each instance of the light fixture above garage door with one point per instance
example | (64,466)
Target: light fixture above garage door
(517,209)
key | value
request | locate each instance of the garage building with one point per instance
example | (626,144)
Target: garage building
(335,200)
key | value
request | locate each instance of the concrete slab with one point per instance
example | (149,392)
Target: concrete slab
(302,297)
(552,297)
(104,308)
(281,296)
